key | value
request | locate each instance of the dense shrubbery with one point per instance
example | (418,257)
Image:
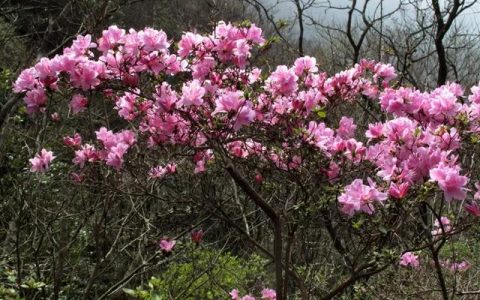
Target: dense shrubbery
(203,274)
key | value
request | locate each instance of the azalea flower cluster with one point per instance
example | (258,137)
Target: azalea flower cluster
(456,266)
(267,294)
(408,259)
(41,161)
(115,146)
(209,95)
(441,227)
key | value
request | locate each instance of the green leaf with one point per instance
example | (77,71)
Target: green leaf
(321,114)
(129,292)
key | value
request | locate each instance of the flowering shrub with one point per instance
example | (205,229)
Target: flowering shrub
(206,102)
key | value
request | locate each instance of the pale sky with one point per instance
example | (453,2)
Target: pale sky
(285,9)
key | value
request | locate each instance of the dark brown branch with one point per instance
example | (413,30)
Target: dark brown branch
(273,216)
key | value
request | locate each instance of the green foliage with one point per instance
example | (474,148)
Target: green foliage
(205,274)
(8,289)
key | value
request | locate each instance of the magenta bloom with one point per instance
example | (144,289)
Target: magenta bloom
(157,172)
(35,100)
(55,117)
(229,101)
(460,266)
(26,80)
(450,181)
(193,93)
(346,128)
(473,209)
(234,294)
(73,141)
(86,153)
(443,226)
(110,38)
(374,131)
(245,116)
(197,236)
(386,72)
(283,81)
(269,294)
(409,259)
(41,162)
(166,245)
(358,197)
(306,63)
(78,104)
(398,191)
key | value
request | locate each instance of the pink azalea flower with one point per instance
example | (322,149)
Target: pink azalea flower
(78,104)
(409,259)
(171,168)
(305,64)
(35,100)
(157,172)
(441,227)
(199,167)
(82,43)
(85,75)
(126,106)
(346,128)
(188,42)
(269,294)
(87,153)
(399,191)
(228,101)
(41,161)
(234,294)
(203,68)
(166,245)
(160,171)
(473,209)
(283,81)
(450,181)
(254,75)
(55,117)
(245,116)
(26,80)
(73,141)
(153,40)
(196,236)
(384,71)
(476,196)
(254,34)
(192,94)
(358,197)
(461,267)
(374,131)
(443,103)
(110,38)
(333,171)
(43,69)
(115,156)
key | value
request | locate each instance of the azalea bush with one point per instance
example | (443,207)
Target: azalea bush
(377,172)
